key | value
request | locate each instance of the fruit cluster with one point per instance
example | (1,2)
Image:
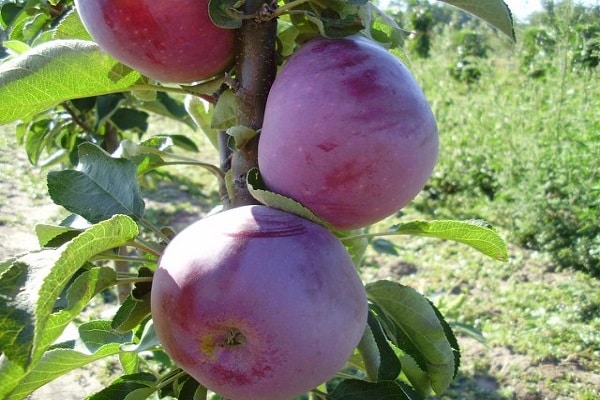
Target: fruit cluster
(254,302)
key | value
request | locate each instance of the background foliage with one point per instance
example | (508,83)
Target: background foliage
(523,149)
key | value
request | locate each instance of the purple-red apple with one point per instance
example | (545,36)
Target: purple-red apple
(347,132)
(167,40)
(256,303)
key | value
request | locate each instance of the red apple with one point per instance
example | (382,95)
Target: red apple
(347,132)
(256,303)
(167,40)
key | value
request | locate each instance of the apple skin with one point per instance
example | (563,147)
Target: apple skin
(256,303)
(347,132)
(167,40)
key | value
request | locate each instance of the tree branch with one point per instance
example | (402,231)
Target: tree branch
(255,70)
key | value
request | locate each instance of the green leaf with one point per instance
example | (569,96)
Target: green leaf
(382,28)
(36,137)
(335,27)
(356,247)
(415,327)
(28,24)
(8,13)
(130,119)
(71,27)
(96,341)
(79,294)
(389,367)
(473,233)
(384,246)
(147,341)
(223,13)
(129,362)
(224,114)
(10,374)
(107,105)
(418,379)
(241,135)
(380,360)
(121,388)
(495,12)
(257,189)
(30,285)
(354,389)
(199,110)
(180,141)
(371,358)
(131,313)
(56,71)
(192,390)
(53,235)
(101,187)
(167,106)
(16,46)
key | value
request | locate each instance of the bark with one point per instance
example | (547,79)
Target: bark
(255,71)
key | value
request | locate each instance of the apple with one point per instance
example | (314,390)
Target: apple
(256,303)
(347,132)
(167,40)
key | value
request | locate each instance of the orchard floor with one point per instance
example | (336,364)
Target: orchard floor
(501,369)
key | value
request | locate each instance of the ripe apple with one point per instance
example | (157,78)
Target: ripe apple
(167,40)
(256,303)
(347,132)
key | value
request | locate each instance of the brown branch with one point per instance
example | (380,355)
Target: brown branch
(75,117)
(255,71)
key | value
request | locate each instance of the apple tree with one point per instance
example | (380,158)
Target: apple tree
(321,132)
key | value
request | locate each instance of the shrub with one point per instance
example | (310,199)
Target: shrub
(471,49)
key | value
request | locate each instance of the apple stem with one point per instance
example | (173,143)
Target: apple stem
(255,71)
(126,259)
(142,246)
(169,378)
(134,280)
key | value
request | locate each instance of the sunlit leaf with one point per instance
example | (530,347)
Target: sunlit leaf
(147,341)
(415,326)
(131,313)
(495,12)
(473,233)
(79,294)
(224,114)
(257,189)
(71,27)
(200,111)
(96,341)
(56,71)
(30,285)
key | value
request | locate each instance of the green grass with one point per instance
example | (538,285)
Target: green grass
(520,153)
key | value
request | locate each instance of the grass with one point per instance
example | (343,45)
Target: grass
(508,144)
(519,152)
